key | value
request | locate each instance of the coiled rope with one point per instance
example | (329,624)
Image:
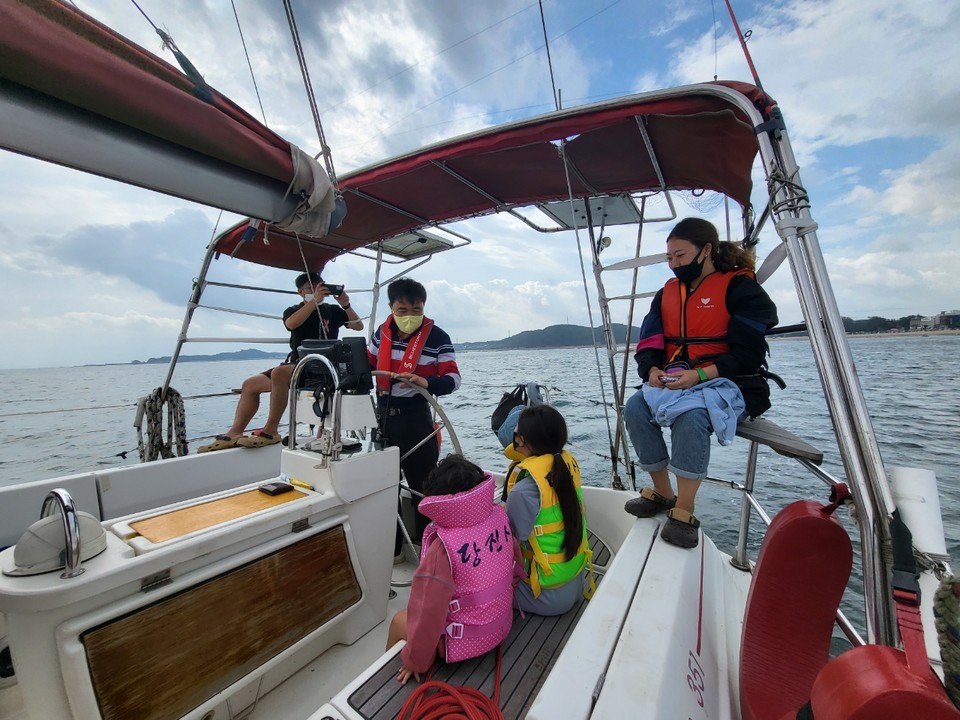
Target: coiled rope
(946,610)
(151,407)
(435,700)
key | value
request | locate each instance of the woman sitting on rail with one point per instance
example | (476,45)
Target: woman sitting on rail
(700,355)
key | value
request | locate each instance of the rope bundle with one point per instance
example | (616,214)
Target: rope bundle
(435,700)
(151,406)
(439,701)
(946,610)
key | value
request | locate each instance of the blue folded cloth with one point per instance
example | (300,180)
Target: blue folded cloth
(721,398)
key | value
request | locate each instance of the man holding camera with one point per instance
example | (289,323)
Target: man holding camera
(308,320)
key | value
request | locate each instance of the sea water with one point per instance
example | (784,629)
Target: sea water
(61,421)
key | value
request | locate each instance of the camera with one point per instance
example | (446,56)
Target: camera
(335,290)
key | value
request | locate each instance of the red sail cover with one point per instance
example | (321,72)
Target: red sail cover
(56,50)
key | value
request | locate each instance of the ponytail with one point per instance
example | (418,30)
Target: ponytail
(732,256)
(561,481)
(544,431)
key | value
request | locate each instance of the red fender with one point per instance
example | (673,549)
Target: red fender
(802,569)
(874,682)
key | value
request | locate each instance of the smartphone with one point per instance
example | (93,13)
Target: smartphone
(275,488)
(335,290)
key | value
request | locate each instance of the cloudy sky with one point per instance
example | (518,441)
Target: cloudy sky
(869,91)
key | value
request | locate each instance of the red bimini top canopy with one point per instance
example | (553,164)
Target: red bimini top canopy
(699,137)
(74,92)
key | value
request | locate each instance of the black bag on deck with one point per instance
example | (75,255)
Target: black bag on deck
(510,400)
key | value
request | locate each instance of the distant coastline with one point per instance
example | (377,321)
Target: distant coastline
(572,336)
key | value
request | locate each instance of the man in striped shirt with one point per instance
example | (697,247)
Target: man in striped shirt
(415,351)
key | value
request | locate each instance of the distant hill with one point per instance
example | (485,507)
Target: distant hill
(248,354)
(551,337)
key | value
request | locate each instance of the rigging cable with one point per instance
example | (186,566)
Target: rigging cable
(249,64)
(515,60)
(201,88)
(586,293)
(743,45)
(583,272)
(431,57)
(546,44)
(324,148)
(716,51)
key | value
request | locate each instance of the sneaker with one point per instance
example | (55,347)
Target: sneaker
(681,529)
(399,558)
(649,503)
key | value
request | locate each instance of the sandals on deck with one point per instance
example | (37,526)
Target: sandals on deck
(220,442)
(681,529)
(257,439)
(649,503)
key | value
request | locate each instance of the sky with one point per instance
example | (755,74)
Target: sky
(92,271)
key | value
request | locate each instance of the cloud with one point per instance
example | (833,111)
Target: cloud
(929,188)
(868,91)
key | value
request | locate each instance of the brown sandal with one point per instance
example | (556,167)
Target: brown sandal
(220,442)
(257,439)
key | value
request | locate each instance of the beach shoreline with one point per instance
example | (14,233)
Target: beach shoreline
(854,336)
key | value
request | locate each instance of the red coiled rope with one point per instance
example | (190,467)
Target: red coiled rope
(435,700)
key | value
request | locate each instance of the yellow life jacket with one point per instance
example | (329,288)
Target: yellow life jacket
(544,560)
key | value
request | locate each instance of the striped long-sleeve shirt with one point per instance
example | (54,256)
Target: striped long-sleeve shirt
(437,365)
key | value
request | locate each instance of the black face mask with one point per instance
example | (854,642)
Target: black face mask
(689,272)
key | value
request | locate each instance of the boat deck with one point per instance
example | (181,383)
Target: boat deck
(529,652)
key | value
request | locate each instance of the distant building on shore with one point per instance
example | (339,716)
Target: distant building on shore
(942,321)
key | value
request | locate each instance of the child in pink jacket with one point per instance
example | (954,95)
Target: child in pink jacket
(461,599)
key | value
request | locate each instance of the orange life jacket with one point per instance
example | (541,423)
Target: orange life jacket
(697,324)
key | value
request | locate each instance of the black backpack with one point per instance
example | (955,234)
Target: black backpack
(510,400)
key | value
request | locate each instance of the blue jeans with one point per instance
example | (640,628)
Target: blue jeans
(690,440)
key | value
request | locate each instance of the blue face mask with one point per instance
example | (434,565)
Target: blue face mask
(689,272)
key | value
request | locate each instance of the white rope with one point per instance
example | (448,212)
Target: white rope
(946,610)
(152,406)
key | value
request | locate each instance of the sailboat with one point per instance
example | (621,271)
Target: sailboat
(177,589)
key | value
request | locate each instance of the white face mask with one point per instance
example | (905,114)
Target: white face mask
(308,297)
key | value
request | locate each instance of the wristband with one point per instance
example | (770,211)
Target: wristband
(346,307)
(702,374)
